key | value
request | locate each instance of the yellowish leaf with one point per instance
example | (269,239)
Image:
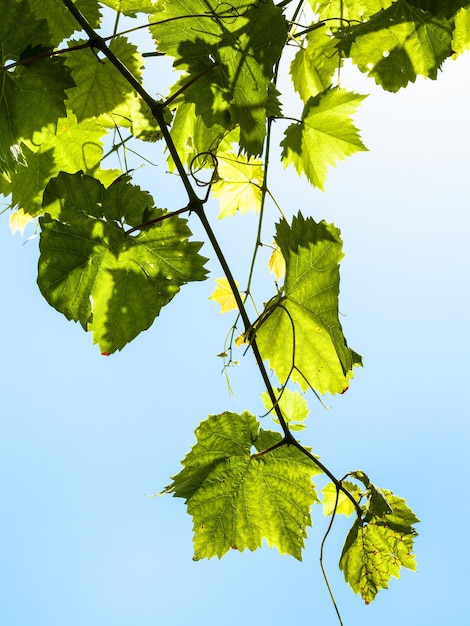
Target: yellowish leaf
(19,220)
(239,184)
(223,295)
(240,340)
(277,265)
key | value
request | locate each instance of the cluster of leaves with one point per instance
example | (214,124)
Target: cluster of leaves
(111,259)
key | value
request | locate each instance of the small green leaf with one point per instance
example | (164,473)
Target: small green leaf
(90,270)
(324,136)
(237,498)
(293,407)
(337,501)
(238,186)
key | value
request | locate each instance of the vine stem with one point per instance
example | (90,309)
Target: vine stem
(197,206)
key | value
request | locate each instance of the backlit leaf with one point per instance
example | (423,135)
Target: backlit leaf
(18,221)
(299,332)
(293,407)
(100,88)
(277,265)
(32,95)
(375,550)
(332,497)
(223,295)
(238,187)
(90,270)
(324,136)
(236,497)
(398,44)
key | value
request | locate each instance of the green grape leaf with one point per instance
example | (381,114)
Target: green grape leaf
(231,51)
(236,497)
(70,148)
(396,45)
(313,66)
(332,497)
(113,283)
(60,21)
(192,136)
(348,10)
(32,95)
(461,35)
(375,550)
(292,404)
(299,332)
(238,185)
(324,136)
(131,7)
(99,86)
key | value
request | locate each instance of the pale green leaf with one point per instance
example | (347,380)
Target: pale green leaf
(324,136)
(461,36)
(299,332)
(113,283)
(277,265)
(18,221)
(238,498)
(314,65)
(292,405)
(223,295)
(336,501)
(238,185)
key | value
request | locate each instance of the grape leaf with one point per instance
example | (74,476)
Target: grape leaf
(352,10)
(90,270)
(32,95)
(461,35)
(99,87)
(223,295)
(293,407)
(376,549)
(299,332)
(70,148)
(60,21)
(277,265)
(314,65)
(18,221)
(324,136)
(238,185)
(232,50)
(332,497)
(396,45)
(131,7)
(192,136)
(237,498)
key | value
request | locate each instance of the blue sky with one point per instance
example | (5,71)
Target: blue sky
(84,438)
